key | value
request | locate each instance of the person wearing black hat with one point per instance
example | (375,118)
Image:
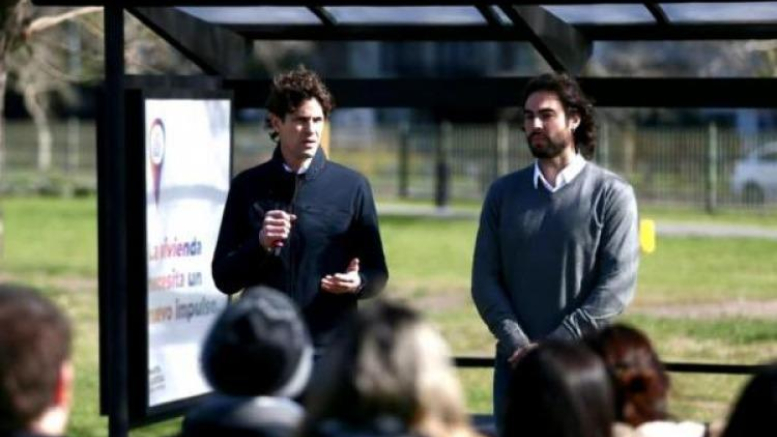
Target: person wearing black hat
(258,357)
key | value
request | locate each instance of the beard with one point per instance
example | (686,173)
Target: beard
(547,149)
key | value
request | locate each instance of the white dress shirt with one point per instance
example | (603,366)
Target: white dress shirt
(564,177)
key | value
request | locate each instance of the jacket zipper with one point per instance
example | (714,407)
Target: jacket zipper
(292,267)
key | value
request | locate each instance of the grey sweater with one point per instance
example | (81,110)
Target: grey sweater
(555,265)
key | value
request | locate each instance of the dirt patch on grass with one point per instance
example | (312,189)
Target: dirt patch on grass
(424,297)
(76,284)
(439,302)
(756,309)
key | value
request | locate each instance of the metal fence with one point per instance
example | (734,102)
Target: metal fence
(690,166)
(443,163)
(73,167)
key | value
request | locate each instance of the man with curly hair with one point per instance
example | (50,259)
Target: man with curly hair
(557,249)
(300,223)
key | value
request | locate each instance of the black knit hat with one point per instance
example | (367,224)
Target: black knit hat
(258,346)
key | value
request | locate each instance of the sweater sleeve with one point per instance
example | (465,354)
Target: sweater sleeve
(488,290)
(369,247)
(238,257)
(618,259)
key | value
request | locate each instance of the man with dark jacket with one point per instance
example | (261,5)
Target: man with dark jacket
(298,222)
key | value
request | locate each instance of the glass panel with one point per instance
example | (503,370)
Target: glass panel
(253,15)
(602,13)
(681,59)
(722,12)
(407,15)
(414,59)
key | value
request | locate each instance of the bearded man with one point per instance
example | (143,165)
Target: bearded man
(557,249)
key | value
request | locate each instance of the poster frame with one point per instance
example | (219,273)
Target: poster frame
(140,411)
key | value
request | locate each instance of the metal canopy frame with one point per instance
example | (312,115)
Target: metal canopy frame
(564,46)
(222,51)
(222,48)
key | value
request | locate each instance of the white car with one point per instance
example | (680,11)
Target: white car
(755,176)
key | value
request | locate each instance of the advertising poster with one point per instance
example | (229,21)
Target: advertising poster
(187,179)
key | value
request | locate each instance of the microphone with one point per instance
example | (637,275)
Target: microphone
(259,223)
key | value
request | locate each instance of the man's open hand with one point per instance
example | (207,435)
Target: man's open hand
(340,283)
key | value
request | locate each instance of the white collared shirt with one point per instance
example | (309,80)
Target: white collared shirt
(564,177)
(302,169)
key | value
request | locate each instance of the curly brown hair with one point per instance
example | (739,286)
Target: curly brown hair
(639,378)
(35,342)
(574,102)
(290,89)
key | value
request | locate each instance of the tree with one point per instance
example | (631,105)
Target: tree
(19,22)
(35,57)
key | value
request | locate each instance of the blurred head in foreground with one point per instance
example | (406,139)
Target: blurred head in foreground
(389,374)
(257,356)
(754,410)
(559,390)
(639,379)
(36,375)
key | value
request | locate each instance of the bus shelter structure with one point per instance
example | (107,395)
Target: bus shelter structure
(563,33)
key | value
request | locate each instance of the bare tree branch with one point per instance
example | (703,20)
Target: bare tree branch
(43,23)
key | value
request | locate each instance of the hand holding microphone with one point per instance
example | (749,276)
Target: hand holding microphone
(276,228)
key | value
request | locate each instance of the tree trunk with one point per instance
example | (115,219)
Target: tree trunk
(32,100)
(12,14)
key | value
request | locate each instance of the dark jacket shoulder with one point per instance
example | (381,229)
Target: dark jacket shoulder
(257,172)
(261,416)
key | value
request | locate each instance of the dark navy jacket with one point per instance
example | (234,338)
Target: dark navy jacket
(230,416)
(336,222)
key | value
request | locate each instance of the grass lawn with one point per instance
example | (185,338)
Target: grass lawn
(51,244)
(759,217)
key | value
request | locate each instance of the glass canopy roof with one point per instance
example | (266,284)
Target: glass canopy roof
(589,14)
(602,13)
(407,15)
(254,15)
(722,12)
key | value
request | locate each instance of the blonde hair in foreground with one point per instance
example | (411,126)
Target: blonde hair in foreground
(390,363)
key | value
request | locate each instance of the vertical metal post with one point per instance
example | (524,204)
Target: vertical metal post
(712,170)
(502,148)
(629,148)
(604,145)
(442,171)
(499,159)
(112,213)
(404,161)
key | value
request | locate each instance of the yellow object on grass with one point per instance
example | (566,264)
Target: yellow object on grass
(647,235)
